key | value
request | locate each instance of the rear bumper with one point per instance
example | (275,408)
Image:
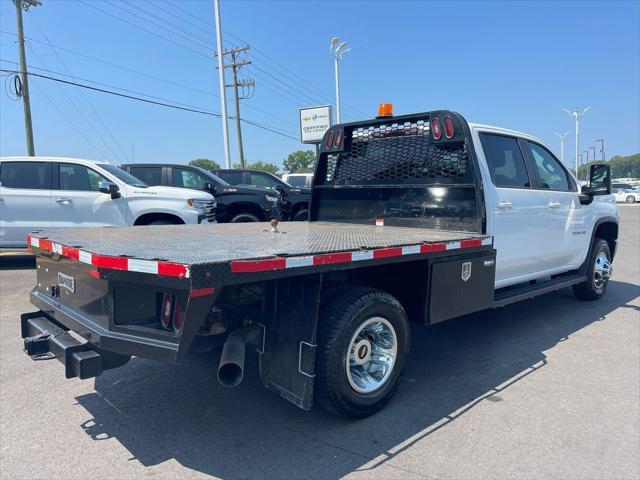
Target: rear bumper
(99,337)
(44,338)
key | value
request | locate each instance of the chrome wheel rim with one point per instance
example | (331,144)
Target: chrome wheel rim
(371,355)
(601,270)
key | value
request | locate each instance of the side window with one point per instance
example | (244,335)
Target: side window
(29,175)
(297,180)
(260,180)
(181,177)
(79,177)
(149,175)
(505,161)
(233,178)
(552,175)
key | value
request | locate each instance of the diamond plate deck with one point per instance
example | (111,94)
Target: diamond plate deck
(222,243)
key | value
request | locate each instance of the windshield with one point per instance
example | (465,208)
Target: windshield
(213,178)
(120,174)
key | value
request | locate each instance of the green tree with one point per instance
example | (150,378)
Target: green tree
(259,165)
(621,167)
(301,161)
(204,163)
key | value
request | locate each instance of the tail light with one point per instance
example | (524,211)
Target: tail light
(330,139)
(448,127)
(435,128)
(178,315)
(165,313)
(337,143)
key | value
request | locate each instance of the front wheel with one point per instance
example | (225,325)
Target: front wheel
(301,215)
(363,344)
(631,199)
(244,217)
(598,272)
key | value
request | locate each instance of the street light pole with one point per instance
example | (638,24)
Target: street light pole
(561,136)
(337,49)
(587,155)
(594,152)
(601,141)
(576,113)
(223,92)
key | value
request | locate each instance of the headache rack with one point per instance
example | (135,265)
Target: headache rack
(416,170)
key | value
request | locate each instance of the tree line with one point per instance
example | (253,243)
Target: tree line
(621,167)
(300,161)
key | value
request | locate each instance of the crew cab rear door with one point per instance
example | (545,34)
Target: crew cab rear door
(516,213)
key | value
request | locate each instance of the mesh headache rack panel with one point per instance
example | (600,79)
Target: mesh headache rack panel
(396,153)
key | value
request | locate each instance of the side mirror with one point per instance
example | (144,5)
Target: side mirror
(209,187)
(109,188)
(280,188)
(599,183)
(600,179)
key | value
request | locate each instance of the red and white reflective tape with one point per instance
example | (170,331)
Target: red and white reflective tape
(281,263)
(168,269)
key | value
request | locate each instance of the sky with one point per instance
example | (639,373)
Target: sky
(512,64)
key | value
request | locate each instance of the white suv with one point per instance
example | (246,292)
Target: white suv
(42,192)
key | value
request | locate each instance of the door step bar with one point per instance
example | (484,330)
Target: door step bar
(528,290)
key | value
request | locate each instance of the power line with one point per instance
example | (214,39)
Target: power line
(77,109)
(93,109)
(147,75)
(153,102)
(193,38)
(142,28)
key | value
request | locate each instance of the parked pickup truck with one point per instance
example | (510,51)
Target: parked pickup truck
(295,200)
(235,203)
(418,218)
(42,192)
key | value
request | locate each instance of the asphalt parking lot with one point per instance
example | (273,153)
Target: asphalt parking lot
(548,388)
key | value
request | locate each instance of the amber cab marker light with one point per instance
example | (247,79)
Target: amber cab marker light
(385,110)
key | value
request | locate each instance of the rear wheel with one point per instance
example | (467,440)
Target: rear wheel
(244,217)
(631,199)
(362,350)
(598,272)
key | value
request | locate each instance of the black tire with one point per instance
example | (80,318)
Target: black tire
(631,199)
(244,217)
(162,222)
(340,319)
(597,279)
(301,215)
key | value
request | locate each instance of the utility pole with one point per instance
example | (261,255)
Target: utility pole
(235,65)
(223,96)
(562,136)
(24,76)
(337,49)
(601,141)
(576,113)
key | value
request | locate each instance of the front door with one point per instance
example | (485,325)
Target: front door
(567,226)
(25,200)
(78,203)
(516,213)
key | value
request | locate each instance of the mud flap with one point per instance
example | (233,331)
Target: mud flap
(287,365)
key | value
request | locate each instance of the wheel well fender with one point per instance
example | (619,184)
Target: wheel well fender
(147,218)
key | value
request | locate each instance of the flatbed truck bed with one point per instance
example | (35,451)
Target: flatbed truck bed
(246,247)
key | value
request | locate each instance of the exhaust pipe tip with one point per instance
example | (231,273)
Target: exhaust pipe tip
(230,374)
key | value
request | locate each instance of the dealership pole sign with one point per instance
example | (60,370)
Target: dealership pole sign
(314,121)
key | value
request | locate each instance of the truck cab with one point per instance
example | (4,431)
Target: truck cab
(295,198)
(235,203)
(534,209)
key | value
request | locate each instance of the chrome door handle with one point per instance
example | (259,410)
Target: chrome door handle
(64,201)
(554,205)
(505,205)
